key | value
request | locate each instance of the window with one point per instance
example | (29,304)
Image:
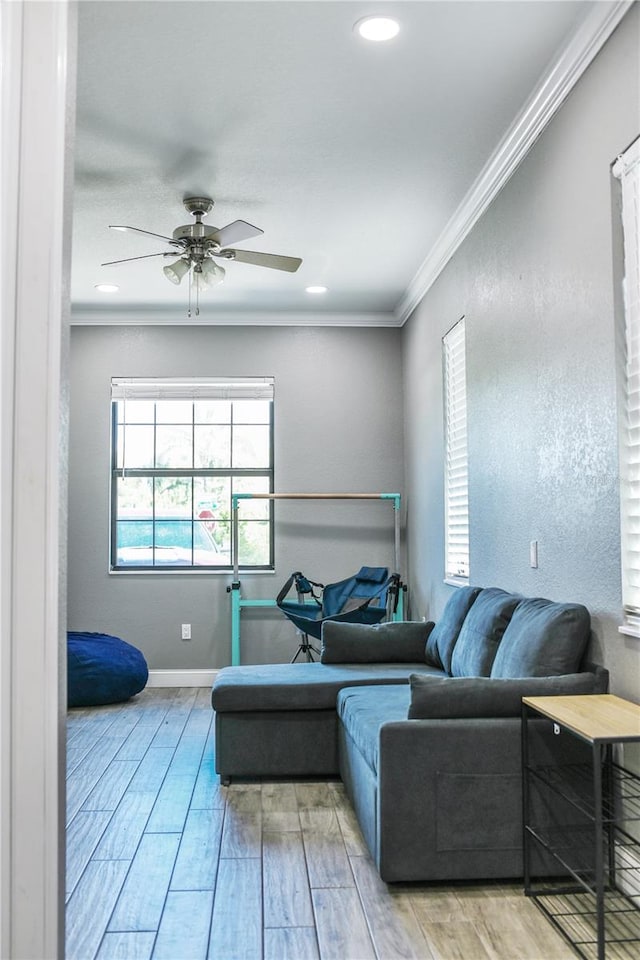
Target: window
(627,170)
(180,449)
(456,486)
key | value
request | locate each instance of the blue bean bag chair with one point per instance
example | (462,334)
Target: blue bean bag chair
(102,669)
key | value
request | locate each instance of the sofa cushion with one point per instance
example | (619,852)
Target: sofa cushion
(300,686)
(481,632)
(400,642)
(362,712)
(458,697)
(543,639)
(442,638)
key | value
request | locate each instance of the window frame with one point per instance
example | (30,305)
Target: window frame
(626,169)
(456,455)
(116,472)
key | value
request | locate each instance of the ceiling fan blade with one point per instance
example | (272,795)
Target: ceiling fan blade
(171,253)
(273,260)
(235,232)
(115,226)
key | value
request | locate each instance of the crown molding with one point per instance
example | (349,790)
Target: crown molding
(514,146)
(160,315)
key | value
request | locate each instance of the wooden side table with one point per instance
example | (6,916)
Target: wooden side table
(581,816)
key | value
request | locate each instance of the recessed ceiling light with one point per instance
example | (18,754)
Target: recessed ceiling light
(316,289)
(377,28)
(106,287)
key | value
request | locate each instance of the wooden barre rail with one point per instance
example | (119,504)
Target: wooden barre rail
(315,496)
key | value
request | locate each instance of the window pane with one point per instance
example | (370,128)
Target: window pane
(251,411)
(135,411)
(134,543)
(212,446)
(134,495)
(206,551)
(254,543)
(135,447)
(174,411)
(252,509)
(222,537)
(174,447)
(173,497)
(212,411)
(211,504)
(212,494)
(251,446)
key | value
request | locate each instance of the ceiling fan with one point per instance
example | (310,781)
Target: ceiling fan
(196,245)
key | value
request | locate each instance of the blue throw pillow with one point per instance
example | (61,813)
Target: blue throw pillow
(543,639)
(481,633)
(102,669)
(442,638)
(396,642)
(454,698)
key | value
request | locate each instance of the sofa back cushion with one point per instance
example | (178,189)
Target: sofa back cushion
(395,642)
(543,639)
(442,639)
(453,698)
(481,633)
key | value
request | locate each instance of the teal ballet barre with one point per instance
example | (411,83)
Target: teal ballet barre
(238,603)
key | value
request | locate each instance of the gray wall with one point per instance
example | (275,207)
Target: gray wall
(338,428)
(536,281)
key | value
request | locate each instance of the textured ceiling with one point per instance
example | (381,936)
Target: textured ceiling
(353,156)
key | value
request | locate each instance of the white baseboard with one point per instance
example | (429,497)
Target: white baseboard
(181,678)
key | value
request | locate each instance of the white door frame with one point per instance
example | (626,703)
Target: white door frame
(37,121)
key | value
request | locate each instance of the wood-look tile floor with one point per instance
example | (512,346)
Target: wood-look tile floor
(164,863)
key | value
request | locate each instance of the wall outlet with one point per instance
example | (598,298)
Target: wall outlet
(186,631)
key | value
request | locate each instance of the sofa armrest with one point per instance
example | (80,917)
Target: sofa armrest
(403,641)
(450,798)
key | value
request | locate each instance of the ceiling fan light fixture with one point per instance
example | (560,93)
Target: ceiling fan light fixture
(212,273)
(176,271)
(377,29)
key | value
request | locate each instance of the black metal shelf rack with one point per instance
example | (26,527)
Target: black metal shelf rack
(581,842)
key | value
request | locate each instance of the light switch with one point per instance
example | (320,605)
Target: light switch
(533,553)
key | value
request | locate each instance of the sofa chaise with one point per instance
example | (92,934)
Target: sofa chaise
(420,720)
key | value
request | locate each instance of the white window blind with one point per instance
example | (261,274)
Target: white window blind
(208,388)
(456,456)
(627,170)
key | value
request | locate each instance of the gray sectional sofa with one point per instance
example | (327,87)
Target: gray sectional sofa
(421,721)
